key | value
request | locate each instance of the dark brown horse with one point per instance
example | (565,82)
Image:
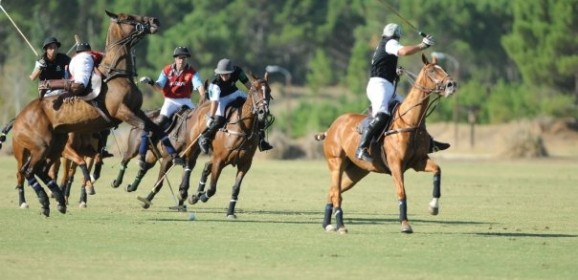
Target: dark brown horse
(40,130)
(404,145)
(235,144)
(179,132)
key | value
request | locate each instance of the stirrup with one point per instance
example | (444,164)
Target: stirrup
(204,145)
(105,154)
(362,154)
(177,160)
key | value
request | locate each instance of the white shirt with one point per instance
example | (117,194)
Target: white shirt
(80,68)
(392,47)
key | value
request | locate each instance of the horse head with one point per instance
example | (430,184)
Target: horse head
(436,80)
(260,94)
(130,28)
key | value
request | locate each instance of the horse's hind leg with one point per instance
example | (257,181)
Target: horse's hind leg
(42,195)
(20,188)
(202,183)
(55,189)
(349,178)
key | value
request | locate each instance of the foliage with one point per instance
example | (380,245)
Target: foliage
(497,43)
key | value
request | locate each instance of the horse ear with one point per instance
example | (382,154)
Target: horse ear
(424,59)
(266,78)
(111,14)
(434,60)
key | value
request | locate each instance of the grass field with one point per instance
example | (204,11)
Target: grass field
(498,220)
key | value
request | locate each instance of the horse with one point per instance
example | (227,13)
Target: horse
(40,129)
(178,134)
(403,145)
(80,151)
(236,142)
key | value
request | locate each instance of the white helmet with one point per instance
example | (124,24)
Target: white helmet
(392,30)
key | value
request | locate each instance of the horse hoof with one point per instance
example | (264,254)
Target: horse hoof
(434,210)
(406,228)
(193,199)
(82,205)
(342,230)
(61,208)
(145,202)
(204,198)
(232,217)
(330,228)
(91,191)
(114,184)
(24,205)
(129,188)
(46,212)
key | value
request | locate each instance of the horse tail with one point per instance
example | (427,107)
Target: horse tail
(320,136)
(5,131)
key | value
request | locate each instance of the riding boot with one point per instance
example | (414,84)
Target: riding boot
(375,126)
(263,144)
(103,137)
(436,146)
(164,122)
(207,136)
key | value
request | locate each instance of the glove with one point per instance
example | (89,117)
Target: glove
(210,121)
(399,71)
(428,41)
(42,63)
(146,80)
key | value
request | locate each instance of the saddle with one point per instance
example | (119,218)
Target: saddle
(365,122)
(179,119)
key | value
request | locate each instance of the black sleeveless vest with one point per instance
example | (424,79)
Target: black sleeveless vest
(384,64)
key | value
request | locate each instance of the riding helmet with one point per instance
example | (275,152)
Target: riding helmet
(81,47)
(392,30)
(225,66)
(181,51)
(50,40)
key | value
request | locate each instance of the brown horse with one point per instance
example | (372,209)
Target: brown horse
(236,143)
(40,130)
(179,131)
(404,145)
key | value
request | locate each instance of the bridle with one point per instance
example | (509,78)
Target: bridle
(139,31)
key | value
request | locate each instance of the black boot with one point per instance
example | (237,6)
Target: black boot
(207,136)
(375,126)
(103,137)
(263,144)
(164,122)
(436,146)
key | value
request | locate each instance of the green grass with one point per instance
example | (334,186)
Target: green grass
(498,220)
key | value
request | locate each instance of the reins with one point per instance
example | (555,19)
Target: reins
(127,42)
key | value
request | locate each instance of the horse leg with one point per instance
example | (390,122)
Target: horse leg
(242,170)
(350,176)
(69,172)
(216,169)
(428,165)
(55,189)
(130,153)
(141,173)
(147,202)
(42,195)
(202,182)
(398,180)
(83,197)
(184,186)
(20,188)
(336,167)
(118,181)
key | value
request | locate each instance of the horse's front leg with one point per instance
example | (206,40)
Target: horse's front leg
(165,165)
(334,199)
(202,183)
(149,163)
(398,180)
(242,170)
(431,166)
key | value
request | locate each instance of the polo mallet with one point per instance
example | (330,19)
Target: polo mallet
(404,19)
(76,40)
(18,29)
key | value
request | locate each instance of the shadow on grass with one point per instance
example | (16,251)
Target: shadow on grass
(523,234)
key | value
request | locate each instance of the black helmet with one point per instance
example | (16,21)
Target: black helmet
(181,51)
(49,41)
(81,47)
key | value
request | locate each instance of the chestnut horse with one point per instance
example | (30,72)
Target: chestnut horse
(236,143)
(80,151)
(404,145)
(40,131)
